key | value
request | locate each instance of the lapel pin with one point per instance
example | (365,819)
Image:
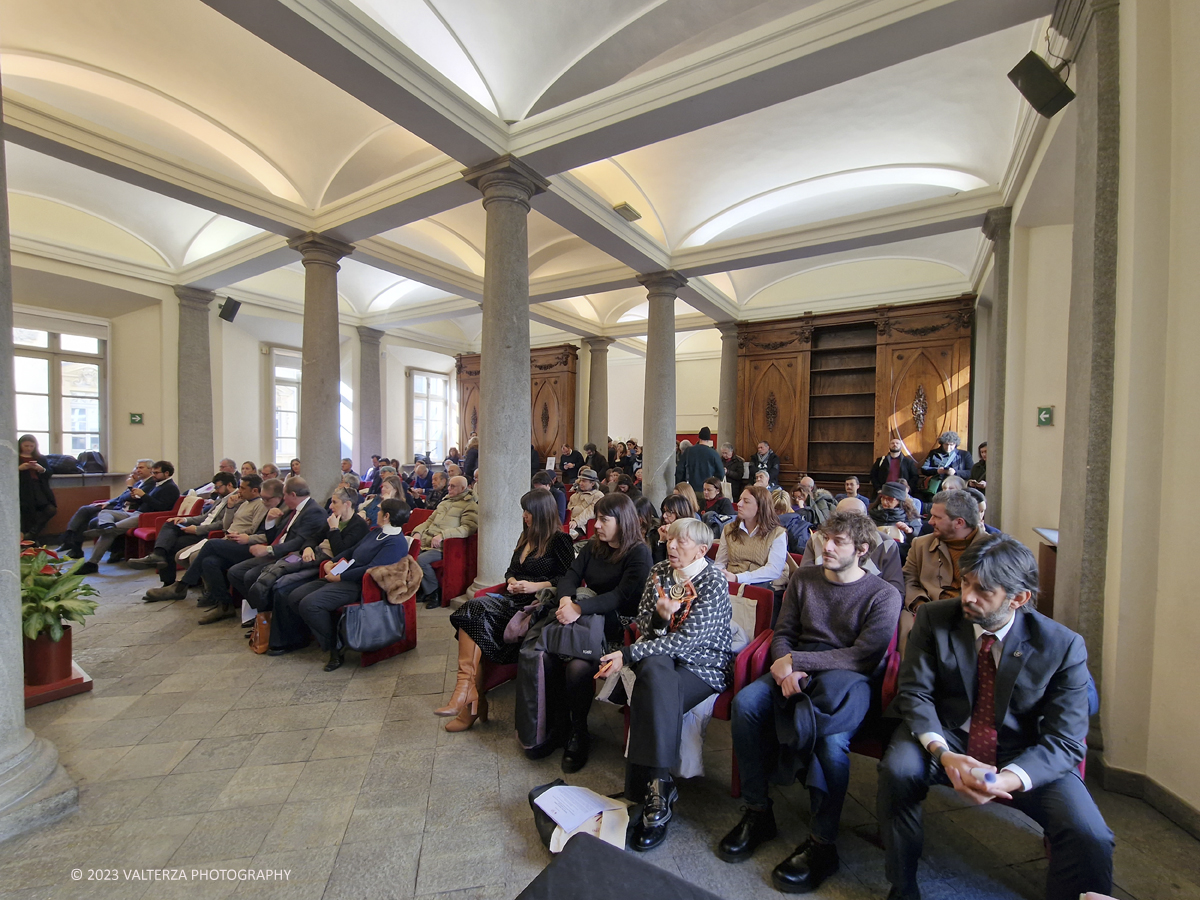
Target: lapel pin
(1016,653)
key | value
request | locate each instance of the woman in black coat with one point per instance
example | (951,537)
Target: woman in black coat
(38,505)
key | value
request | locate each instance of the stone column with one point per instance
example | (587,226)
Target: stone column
(504,401)
(370,397)
(321,369)
(34,788)
(597,416)
(997,227)
(195,464)
(658,429)
(727,395)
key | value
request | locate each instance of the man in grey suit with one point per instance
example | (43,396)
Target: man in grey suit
(991,689)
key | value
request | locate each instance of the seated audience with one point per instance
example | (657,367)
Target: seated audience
(226,465)
(623,461)
(38,505)
(764,481)
(684,489)
(820,501)
(470,463)
(796,526)
(852,486)
(369,475)
(894,514)
(235,513)
(452,456)
(158,495)
(766,461)
(883,559)
(674,508)
(455,517)
(310,608)
(943,461)
(893,465)
(682,656)
(648,519)
(628,486)
(544,481)
(248,468)
(581,505)
(715,501)
(348,467)
(422,479)
(931,571)
(908,486)
(989,683)
(978,477)
(541,558)
(85,517)
(753,547)
(981,499)
(391,488)
(570,461)
(594,459)
(834,627)
(606,579)
(735,469)
(836,622)
(268,471)
(293,468)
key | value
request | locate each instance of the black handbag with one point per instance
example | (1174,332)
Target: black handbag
(371,626)
(582,639)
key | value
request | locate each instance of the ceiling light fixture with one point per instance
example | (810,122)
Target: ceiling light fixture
(627,212)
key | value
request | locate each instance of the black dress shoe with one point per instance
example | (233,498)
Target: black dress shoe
(806,868)
(661,793)
(757,827)
(541,751)
(336,658)
(896,894)
(75,551)
(647,837)
(278,651)
(575,754)
(88,568)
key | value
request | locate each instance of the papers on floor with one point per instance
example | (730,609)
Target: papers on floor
(577,809)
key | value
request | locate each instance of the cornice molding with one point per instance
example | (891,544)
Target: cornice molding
(420,313)
(89,260)
(899,297)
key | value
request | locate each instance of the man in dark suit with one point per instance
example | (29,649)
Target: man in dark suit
(86,516)
(990,687)
(157,495)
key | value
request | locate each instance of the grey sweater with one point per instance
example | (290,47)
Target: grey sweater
(857,619)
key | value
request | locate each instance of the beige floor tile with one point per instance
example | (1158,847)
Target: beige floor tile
(323,778)
(383,868)
(225,832)
(313,823)
(259,785)
(183,727)
(150,759)
(218,753)
(184,794)
(123,732)
(150,843)
(284,747)
(87,766)
(347,740)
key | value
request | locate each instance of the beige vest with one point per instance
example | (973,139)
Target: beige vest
(748,551)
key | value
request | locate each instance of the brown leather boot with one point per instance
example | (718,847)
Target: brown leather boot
(468,668)
(476,706)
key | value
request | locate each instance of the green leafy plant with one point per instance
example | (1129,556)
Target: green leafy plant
(51,592)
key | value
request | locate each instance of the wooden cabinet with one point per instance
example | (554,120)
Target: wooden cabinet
(552,372)
(828,392)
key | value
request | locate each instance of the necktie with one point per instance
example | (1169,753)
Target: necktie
(981,743)
(284,530)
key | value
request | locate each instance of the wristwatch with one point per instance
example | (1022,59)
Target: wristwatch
(938,750)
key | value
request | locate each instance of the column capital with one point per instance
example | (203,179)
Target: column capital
(668,282)
(996,222)
(599,344)
(505,178)
(320,248)
(193,298)
(369,335)
(729,330)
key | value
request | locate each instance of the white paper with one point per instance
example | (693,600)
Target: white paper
(550,460)
(610,826)
(341,567)
(570,807)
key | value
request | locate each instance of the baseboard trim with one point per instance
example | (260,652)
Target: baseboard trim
(1137,784)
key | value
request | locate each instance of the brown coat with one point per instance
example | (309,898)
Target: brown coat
(399,580)
(929,568)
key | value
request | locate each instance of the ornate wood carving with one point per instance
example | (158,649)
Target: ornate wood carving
(920,406)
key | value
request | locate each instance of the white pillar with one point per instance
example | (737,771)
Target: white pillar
(727,395)
(658,451)
(321,368)
(504,402)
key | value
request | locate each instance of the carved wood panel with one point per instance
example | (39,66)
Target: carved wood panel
(921,399)
(769,403)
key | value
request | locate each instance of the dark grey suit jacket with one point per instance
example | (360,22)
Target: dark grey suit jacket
(309,529)
(1041,687)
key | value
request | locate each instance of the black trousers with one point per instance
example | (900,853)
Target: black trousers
(215,559)
(242,575)
(171,539)
(81,521)
(34,517)
(316,603)
(663,692)
(1081,844)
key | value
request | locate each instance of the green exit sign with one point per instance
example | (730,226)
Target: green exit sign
(137,418)
(1045,415)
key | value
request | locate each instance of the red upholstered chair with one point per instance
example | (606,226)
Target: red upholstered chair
(873,734)
(416,518)
(750,663)
(491,674)
(148,525)
(457,568)
(372,593)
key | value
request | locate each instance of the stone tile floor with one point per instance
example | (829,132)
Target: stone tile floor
(193,752)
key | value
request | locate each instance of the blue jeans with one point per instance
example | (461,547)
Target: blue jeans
(757,746)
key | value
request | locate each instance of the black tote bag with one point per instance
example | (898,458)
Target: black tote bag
(371,626)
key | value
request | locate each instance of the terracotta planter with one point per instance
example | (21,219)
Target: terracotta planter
(48,661)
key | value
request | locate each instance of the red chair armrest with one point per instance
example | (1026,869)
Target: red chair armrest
(494,589)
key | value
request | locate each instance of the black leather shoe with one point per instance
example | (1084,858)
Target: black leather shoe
(75,551)
(806,868)
(660,794)
(647,837)
(757,827)
(575,754)
(541,751)
(896,894)
(88,568)
(278,651)
(336,658)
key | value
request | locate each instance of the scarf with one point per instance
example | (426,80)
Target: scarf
(881,516)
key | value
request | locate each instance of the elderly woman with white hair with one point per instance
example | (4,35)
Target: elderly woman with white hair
(683,655)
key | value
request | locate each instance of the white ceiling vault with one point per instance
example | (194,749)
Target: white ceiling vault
(785,155)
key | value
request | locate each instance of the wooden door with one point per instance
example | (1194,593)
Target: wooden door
(770,405)
(922,403)
(467,372)
(547,432)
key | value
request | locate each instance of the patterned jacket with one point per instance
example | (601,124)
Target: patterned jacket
(702,642)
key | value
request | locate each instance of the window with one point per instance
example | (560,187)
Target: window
(285,368)
(430,414)
(59,381)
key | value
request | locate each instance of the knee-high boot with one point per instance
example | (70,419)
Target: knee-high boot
(476,706)
(468,666)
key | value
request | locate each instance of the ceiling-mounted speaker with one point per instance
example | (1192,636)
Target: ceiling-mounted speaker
(1041,85)
(229,309)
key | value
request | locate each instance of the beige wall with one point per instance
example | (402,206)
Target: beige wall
(240,431)
(626,397)
(398,360)
(134,364)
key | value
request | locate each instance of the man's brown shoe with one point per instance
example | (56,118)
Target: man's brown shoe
(176,591)
(219,613)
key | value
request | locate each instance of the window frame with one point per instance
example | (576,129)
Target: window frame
(278,354)
(413,397)
(54,356)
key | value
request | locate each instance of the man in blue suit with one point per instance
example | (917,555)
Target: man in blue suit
(992,689)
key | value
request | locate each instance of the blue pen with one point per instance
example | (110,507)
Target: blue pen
(983,775)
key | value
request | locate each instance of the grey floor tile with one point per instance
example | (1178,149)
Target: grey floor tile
(224,833)
(284,747)
(383,868)
(217,753)
(324,778)
(312,823)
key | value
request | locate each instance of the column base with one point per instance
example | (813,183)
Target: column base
(34,790)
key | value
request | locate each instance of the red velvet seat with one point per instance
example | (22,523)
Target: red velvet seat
(457,568)
(372,593)
(146,532)
(416,518)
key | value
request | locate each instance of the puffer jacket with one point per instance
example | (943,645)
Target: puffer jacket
(455,517)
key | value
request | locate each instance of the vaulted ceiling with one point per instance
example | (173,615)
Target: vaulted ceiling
(785,155)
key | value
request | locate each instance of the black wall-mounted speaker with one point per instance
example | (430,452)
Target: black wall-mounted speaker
(1041,85)
(229,309)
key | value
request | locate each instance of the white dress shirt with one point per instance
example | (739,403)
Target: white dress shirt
(929,738)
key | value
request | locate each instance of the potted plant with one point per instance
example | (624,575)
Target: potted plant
(50,594)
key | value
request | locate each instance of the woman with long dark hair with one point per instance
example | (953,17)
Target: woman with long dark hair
(714,500)
(675,507)
(38,505)
(543,555)
(606,579)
